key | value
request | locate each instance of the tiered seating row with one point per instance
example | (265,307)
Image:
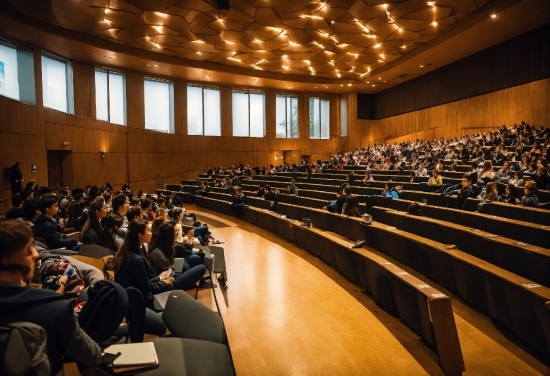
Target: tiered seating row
(514,301)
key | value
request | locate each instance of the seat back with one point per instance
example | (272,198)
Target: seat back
(94,251)
(23,349)
(187,318)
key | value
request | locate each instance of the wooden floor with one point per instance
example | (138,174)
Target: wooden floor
(288,313)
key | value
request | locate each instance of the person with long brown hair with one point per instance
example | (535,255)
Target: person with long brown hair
(132,270)
(161,257)
(91,232)
(109,236)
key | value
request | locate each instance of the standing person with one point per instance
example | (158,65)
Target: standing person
(51,311)
(16,178)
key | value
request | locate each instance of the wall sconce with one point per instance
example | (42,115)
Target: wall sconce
(102,153)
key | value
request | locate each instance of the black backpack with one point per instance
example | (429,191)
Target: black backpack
(23,350)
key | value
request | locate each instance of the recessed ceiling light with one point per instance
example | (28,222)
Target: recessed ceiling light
(107,10)
(156,65)
(349,84)
(493,15)
(421,66)
(434,23)
(377,45)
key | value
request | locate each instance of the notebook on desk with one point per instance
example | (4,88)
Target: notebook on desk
(134,356)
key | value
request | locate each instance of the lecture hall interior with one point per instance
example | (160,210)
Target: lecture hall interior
(155,93)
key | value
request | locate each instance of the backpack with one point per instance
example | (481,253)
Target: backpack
(52,266)
(23,349)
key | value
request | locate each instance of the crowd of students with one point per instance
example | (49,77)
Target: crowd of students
(36,229)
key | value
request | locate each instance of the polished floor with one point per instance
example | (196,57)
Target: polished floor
(287,313)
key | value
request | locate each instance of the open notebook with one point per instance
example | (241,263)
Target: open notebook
(134,356)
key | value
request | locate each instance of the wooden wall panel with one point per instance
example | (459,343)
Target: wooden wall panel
(528,102)
(84,89)
(18,118)
(180,108)
(515,62)
(135,106)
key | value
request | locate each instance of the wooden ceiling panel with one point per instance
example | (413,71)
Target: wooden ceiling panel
(157,5)
(339,14)
(124,6)
(355,35)
(360,10)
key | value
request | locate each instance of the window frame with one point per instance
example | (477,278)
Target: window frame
(171,126)
(287,96)
(203,89)
(69,90)
(109,71)
(320,129)
(248,93)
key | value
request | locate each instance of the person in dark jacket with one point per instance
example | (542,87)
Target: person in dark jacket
(465,192)
(541,178)
(16,178)
(91,232)
(45,226)
(239,200)
(530,199)
(133,270)
(53,312)
(16,210)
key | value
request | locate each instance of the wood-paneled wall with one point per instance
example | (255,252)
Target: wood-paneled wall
(517,61)
(133,154)
(529,102)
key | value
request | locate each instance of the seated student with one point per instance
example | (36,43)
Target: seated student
(368,177)
(351,207)
(530,199)
(203,190)
(489,193)
(45,226)
(109,234)
(509,195)
(16,210)
(133,270)
(389,191)
(541,178)
(91,232)
(413,178)
(239,200)
(74,209)
(292,189)
(121,203)
(414,209)
(31,209)
(161,258)
(487,174)
(160,217)
(465,192)
(335,206)
(504,174)
(53,312)
(421,171)
(517,179)
(435,182)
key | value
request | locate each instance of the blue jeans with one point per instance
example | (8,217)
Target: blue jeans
(153,323)
(202,233)
(446,190)
(188,279)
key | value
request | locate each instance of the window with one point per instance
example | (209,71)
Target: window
(203,111)
(159,105)
(343,115)
(110,96)
(57,84)
(286,116)
(17,73)
(9,83)
(248,114)
(319,118)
